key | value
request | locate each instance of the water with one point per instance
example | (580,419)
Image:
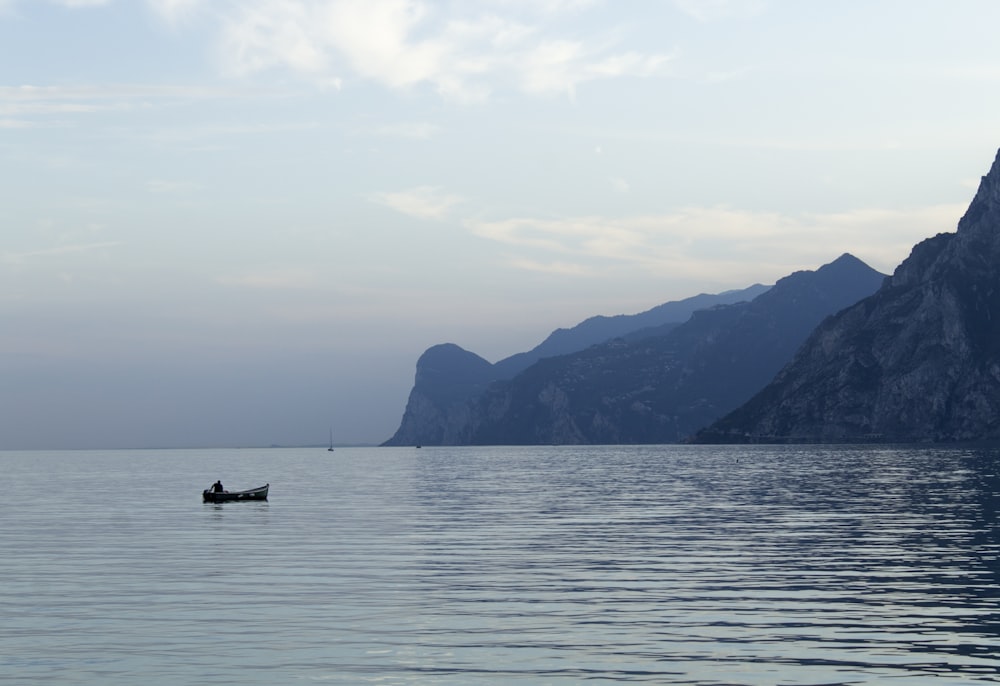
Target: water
(550,565)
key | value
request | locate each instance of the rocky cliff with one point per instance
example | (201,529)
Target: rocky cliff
(917,361)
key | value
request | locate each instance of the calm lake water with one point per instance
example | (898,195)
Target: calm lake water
(549,565)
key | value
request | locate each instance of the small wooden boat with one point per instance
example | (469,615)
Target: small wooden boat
(259,493)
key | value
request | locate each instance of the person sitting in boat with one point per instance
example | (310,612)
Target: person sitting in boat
(217,487)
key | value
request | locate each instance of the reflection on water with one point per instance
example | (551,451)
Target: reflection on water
(555,565)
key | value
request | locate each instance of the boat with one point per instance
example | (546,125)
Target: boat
(259,493)
(330,449)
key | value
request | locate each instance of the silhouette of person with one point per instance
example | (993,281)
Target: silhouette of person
(217,487)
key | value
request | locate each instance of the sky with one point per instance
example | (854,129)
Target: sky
(240,222)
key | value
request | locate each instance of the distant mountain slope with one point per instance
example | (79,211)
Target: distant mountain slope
(663,388)
(600,328)
(447,375)
(917,361)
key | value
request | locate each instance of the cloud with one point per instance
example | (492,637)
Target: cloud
(463,51)
(376,37)
(261,36)
(696,241)
(81,3)
(38,101)
(54,106)
(57,251)
(176,11)
(583,236)
(26,106)
(423,202)
(561,65)
(546,6)
(9,5)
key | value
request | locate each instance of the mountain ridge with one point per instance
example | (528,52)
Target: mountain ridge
(655,384)
(664,388)
(442,384)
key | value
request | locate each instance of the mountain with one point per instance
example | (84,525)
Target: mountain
(600,328)
(663,388)
(448,376)
(658,383)
(917,361)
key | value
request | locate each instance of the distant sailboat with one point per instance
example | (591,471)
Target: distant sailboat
(330,449)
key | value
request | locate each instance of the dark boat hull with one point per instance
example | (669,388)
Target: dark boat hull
(260,493)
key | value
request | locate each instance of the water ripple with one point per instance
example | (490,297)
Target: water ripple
(552,565)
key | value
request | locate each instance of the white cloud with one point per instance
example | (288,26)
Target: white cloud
(29,92)
(376,38)
(582,236)
(424,202)
(176,11)
(696,241)
(57,251)
(264,35)
(551,67)
(29,105)
(546,6)
(463,51)
(82,3)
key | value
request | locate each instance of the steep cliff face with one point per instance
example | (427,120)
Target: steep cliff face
(663,388)
(917,361)
(437,411)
